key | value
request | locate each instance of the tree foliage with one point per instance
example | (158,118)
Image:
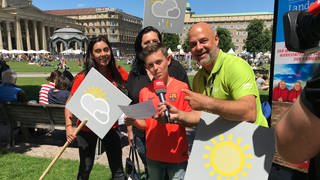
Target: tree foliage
(171,41)
(225,39)
(258,39)
(267,35)
(185,45)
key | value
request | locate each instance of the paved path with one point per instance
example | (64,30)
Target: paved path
(48,145)
(41,144)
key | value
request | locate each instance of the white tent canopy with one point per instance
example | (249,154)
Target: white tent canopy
(4,51)
(231,51)
(78,51)
(42,51)
(181,52)
(244,51)
(71,51)
(31,51)
(15,51)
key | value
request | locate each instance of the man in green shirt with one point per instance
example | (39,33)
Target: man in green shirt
(228,80)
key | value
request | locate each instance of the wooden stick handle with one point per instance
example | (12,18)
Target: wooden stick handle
(62,150)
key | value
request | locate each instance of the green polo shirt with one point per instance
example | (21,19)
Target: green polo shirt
(230,79)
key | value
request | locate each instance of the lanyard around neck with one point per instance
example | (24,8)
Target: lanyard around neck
(209,85)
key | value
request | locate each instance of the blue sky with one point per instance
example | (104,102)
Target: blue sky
(136,7)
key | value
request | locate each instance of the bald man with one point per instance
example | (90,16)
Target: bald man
(228,80)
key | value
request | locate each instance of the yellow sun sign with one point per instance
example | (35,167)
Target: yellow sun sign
(96,92)
(227,158)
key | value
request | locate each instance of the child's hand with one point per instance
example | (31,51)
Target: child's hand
(129,121)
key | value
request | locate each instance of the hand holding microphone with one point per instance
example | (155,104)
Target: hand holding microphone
(160,89)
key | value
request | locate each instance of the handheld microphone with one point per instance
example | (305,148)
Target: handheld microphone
(160,89)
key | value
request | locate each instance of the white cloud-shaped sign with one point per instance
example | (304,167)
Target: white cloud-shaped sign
(98,108)
(166,9)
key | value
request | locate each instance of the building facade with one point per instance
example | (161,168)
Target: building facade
(121,28)
(25,27)
(236,23)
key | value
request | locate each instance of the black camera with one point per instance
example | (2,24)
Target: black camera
(302,31)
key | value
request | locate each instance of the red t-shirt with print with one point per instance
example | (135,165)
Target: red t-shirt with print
(166,142)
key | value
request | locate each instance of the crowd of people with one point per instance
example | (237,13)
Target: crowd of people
(225,85)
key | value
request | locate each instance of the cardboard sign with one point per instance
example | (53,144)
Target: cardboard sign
(165,15)
(225,149)
(97,100)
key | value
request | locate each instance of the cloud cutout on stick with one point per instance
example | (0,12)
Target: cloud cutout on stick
(98,108)
(166,9)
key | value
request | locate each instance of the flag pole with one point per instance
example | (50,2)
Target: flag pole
(62,150)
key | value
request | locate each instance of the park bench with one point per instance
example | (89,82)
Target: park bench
(44,116)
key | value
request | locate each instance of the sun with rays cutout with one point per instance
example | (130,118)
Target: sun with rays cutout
(96,92)
(227,158)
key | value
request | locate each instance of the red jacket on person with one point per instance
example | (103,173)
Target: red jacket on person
(278,93)
(293,94)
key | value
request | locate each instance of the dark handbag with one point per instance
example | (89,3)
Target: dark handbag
(132,165)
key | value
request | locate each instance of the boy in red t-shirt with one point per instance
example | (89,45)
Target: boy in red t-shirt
(166,144)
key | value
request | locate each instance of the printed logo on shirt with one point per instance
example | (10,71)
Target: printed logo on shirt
(247,85)
(215,89)
(173,96)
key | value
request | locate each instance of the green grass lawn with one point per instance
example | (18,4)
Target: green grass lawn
(73,66)
(124,64)
(25,67)
(31,86)
(19,166)
(264,95)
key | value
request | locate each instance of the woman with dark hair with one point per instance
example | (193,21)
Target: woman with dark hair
(99,56)
(147,36)
(61,91)
(140,77)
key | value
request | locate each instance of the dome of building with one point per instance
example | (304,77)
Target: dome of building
(68,33)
